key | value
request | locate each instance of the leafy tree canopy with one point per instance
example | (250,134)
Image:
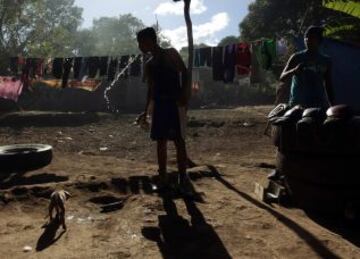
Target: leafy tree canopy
(271,18)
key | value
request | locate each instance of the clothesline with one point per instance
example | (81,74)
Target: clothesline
(224,61)
(79,67)
(242,58)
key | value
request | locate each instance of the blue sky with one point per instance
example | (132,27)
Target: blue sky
(212,19)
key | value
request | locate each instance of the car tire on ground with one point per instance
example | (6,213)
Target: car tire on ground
(320,182)
(24,157)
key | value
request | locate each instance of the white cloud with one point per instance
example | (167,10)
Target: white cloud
(177,8)
(203,33)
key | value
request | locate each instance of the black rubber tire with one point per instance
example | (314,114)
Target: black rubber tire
(320,198)
(24,157)
(329,170)
(321,183)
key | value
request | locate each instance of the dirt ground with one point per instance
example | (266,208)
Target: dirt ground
(101,159)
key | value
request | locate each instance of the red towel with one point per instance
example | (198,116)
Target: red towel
(10,88)
(243,58)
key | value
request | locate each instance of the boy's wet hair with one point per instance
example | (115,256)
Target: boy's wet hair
(316,31)
(147,33)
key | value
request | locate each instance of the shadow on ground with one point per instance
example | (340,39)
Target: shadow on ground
(48,237)
(47,119)
(346,229)
(313,242)
(176,237)
(19,179)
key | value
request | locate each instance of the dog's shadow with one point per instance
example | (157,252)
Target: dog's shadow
(48,237)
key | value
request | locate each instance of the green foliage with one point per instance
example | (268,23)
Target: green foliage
(344,29)
(111,36)
(51,28)
(269,18)
(346,6)
(347,27)
(38,28)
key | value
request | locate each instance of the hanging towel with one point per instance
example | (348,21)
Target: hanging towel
(205,57)
(39,67)
(268,53)
(229,63)
(25,72)
(14,65)
(243,58)
(218,64)
(112,69)
(77,67)
(57,68)
(197,58)
(94,65)
(84,69)
(34,67)
(202,57)
(10,88)
(67,68)
(103,65)
(257,73)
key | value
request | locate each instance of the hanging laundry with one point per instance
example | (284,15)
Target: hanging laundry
(135,68)
(84,69)
(47,67)
(34,67)
(281,47)
(94,65)
(195,81)
(112,69)
(196,57)
(77,67)
(202,57)
(39,67)
(68,62)
(243,58)
(14,65)
(257,72)
(218,64)
(25,72)
(124,61)
(10,88)
(229,63)
(57,68)
(205,57)
(103,65)
(268,53)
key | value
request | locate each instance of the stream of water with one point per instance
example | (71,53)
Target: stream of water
(113,83)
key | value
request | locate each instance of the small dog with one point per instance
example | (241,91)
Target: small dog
(57,202)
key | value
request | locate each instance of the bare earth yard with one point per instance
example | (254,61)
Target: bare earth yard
(110,160)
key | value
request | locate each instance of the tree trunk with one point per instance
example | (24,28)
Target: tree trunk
(190,42)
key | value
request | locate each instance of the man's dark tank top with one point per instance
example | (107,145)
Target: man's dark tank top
(166,79)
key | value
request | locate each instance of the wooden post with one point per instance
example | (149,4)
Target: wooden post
(189,28)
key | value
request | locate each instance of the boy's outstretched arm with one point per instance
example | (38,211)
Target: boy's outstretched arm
(290,69)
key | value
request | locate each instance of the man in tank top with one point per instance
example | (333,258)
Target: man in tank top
(310,73)
(168,91)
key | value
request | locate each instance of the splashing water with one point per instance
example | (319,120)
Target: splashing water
(113,83)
